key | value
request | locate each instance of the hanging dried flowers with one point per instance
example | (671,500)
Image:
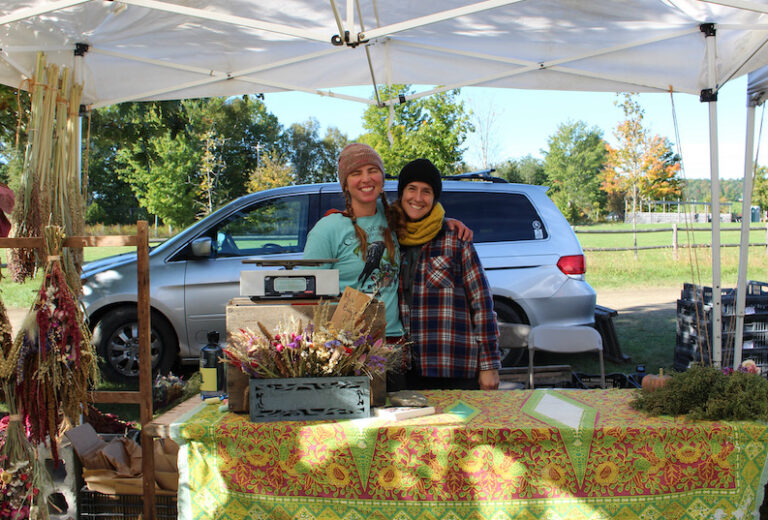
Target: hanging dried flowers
(21,474)
(55,360)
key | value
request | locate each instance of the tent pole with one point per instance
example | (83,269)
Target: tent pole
(741,285)
(710,96)
(717,310)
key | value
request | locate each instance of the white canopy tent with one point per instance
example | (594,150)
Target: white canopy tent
(155,49)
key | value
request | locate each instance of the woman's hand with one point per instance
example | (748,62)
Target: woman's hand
(489,380)
(458,226)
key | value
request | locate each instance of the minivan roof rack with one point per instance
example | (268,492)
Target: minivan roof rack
(484,175)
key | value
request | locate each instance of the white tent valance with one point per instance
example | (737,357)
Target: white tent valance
(158,49)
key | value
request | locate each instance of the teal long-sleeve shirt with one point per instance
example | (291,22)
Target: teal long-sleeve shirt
(334,237)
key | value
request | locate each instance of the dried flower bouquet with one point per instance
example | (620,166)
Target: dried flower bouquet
(318,349)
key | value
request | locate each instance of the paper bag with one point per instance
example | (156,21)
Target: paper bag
(351,304)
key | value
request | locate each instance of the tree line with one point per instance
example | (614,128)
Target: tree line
(179,160)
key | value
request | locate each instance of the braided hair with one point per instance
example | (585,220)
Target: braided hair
(392,220)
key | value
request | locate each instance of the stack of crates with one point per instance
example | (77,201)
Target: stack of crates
(694,326)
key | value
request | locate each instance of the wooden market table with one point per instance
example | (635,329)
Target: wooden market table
(510,454)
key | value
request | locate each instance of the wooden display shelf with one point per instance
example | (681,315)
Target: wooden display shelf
(142,397)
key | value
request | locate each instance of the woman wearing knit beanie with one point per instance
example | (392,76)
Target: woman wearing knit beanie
(347,236)
(445,300)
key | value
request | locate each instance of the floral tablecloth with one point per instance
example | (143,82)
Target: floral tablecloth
(485,455)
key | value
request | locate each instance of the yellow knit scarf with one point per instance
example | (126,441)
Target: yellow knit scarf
(424,230)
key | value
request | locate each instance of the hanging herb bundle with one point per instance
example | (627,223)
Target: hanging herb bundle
(51,189)
(56,362)
(27,212)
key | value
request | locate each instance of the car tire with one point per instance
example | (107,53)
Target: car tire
(506,313)
(117,344)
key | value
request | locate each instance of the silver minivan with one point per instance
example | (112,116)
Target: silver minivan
(531,256)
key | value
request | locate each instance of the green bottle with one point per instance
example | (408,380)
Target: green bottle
(212,368)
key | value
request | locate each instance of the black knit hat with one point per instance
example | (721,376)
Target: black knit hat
(421,170)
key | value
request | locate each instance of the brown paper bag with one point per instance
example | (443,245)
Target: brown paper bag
(351,303)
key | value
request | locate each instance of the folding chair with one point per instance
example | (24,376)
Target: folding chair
(564,340)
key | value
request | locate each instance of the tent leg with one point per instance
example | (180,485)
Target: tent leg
(746,214)
(710,96)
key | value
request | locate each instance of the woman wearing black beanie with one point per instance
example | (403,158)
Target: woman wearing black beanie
(445,300)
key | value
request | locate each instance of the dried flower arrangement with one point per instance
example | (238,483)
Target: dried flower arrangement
(318,349)
(53,362)
(20,471)
(709,393)
(166,390)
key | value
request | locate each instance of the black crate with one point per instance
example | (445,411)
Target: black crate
(120,507)
(756,297)
(681,361)
(613,380)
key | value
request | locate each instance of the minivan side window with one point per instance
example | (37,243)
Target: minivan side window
(270,227)
(493,217)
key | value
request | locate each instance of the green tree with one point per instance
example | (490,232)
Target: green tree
(509,170)
(211,166)
(245,129)
(225,136)
(434,127)
(163,173)
(111,199)
(526,170)
(273,172)
(572,164)
(641,166)
(760,190)
(14,113)
(313,159)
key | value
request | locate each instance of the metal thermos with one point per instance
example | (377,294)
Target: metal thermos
(212,368)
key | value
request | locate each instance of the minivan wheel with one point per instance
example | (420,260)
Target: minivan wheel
(509,356)
(116,337)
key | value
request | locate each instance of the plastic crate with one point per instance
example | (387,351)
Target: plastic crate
(119,507)
(756,297)
(612,380)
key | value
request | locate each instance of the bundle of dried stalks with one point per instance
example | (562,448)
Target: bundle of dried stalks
(26,213)
(52,191)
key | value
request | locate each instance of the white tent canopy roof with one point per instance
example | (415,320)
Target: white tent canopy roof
(168,49)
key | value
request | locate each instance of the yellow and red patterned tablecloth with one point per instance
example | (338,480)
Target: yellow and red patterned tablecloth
(550,454)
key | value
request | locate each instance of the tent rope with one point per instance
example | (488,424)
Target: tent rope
(693,260)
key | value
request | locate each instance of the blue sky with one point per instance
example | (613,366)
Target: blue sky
(525,119)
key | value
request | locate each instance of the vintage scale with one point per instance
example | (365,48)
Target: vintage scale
(289,283)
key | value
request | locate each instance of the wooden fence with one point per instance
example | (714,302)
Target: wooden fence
(675,242)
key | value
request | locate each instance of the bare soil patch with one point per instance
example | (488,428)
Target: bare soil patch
(639,299)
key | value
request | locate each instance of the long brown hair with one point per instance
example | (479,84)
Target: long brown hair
(392,224)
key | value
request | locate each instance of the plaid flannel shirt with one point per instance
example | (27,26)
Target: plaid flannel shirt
(453,330)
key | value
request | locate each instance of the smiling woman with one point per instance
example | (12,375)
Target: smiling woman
(445,299)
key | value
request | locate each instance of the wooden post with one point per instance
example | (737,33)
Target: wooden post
(145,367)
(674,239)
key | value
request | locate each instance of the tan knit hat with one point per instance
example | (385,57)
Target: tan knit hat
(354,156)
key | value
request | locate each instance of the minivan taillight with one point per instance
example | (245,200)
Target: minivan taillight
(572,264)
